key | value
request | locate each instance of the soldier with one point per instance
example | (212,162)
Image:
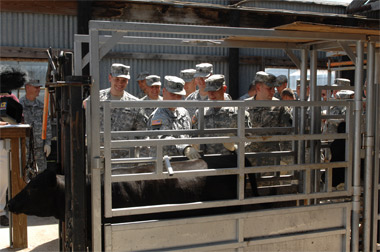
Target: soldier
(251,92)
(122,119)
(267,117)
(342,82)
(218,117)
(283,83)
(203,71)
(342,95)
(33,114)
(188,76)
(298,90)
(173,119)
(142,84)
(153,88)
(287,94)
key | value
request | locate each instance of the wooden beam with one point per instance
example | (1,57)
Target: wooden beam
(54,7)
(184,12)
(30,53)
(212,14)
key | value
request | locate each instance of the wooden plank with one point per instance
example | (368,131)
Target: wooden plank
(33,53)
(305,26)
(17,134)
(46,7)
(14,132)
(19,221)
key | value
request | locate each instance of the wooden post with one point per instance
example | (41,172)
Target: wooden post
(17,134)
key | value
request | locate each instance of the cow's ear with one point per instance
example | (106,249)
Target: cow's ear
(51,179)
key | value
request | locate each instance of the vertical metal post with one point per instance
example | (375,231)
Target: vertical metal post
(302,123)
(95,138)
(77,58)
(376,187)
(302,95)
(369,146)
(241,152)
(313,125)
(357,147)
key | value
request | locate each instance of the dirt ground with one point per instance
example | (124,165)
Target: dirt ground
(42,235)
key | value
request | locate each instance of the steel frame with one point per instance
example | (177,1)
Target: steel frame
(101,44)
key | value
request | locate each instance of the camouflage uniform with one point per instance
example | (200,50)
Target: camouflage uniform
(195,96)
(151,80)
(245,96)
(268,117)
(225,117)
(165,119)
(122,119)
(331,125)
(33,114)
(149,111)
(140,77)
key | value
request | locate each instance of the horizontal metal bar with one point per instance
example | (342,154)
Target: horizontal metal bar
(234,103)
(226,171)
(273,138)
(143,40)
(218,31)
(230,216)
(176,174)
(144,133)
(132,160)
(117,144)
(201,205)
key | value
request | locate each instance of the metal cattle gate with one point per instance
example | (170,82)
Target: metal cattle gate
(319,218)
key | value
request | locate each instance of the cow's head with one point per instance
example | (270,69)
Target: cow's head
(40,197)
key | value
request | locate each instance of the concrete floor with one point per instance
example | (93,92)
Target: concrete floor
(42,235)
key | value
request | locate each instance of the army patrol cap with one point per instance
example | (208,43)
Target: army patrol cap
(34,83)
(345,94)
(214,82)
(281,79)
(142,76)
(174,85)
(187,74)
(203,70)
(299,82)
(120,70)
(342,82)
(153,80)
(268,79)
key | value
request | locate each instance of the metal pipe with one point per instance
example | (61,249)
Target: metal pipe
(168,165)
(375,209)
(369,146)
(313,130)
(95,138)
(357,143)
(302,95)
(301,147)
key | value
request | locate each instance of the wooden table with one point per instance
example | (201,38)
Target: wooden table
(17,134)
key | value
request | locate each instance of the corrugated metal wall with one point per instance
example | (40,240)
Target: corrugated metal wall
(157,67)
(37,30)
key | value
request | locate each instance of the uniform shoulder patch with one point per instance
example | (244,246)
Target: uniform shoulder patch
(156,122)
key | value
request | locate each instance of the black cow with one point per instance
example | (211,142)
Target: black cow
(45,195)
